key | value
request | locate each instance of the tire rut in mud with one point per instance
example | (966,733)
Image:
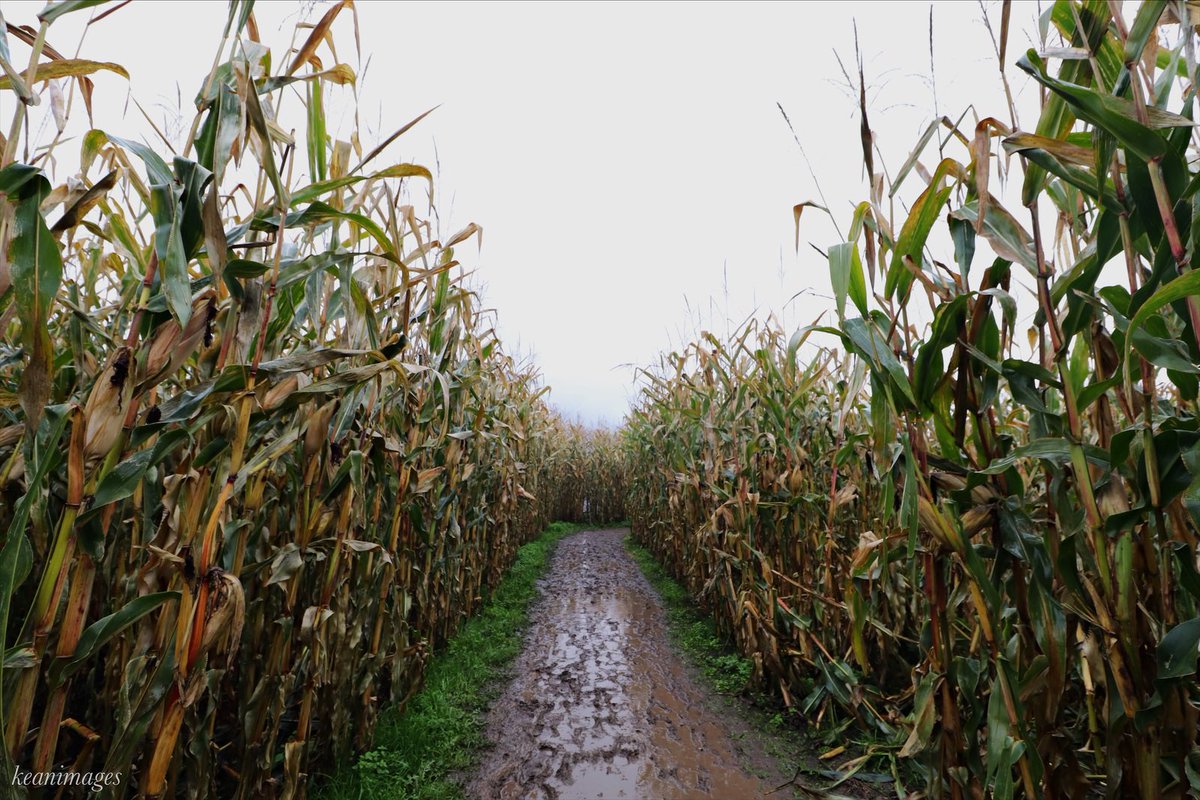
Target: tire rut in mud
(601,706)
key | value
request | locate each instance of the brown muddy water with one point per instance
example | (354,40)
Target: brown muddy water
(601,706)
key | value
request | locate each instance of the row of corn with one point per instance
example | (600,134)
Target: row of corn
(260,449)
(968,545)
(593,490)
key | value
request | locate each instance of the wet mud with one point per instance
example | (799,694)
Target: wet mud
(601,706)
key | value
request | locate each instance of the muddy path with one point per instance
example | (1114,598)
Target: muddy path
(601,705)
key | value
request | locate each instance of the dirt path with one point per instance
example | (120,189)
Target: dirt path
(601,706)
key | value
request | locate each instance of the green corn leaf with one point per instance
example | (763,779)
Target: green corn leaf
(53,11)
(168,245)
(1177,652)
(103,630)
(1115,115)
(913,235)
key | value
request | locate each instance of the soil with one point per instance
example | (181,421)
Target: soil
(601,705)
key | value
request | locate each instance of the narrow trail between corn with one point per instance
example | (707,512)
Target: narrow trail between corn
(601,706)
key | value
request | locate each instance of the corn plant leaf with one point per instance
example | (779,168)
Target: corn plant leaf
(222,127)
(160,677)
(180,407)
(245,268)
(339,74)
(1087,27)
(318,34)
(1064,151)
(257,119)
(915,154)
(53,11)
(963,234)
(1177,651)
(193,180)
(1054,450)
(999,738)
(947,327)
(239,11)
(4,51)
(471,229)
(315,190)
(318,212)
(157,171)
(1144,25)
(73,216)
(121,481)
(266,455)
(16,175)
(20,658)
(235,378)
(66,68)
(16,557)
(1092,392)
(1082,179)
(1164,352)
(285,564)
(363,311)
(913,235)
(345,379)
(1186,285)
(924,717)
(1008,304)
(216,246)
(311,267)
(36,261)
(102,630)
(168,245)
(1002,231)
(316,137)
(869,343)
(846,277)
(349,471)
(1113,114)
(379,148)
(36,268)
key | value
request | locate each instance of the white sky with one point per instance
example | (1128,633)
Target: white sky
(628,164)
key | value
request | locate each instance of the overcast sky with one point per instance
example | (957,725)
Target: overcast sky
(628,163)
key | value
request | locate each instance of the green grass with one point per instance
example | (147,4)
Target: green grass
(419,752)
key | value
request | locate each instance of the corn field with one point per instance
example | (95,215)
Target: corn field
(590,483)
(260,450)
(968,546)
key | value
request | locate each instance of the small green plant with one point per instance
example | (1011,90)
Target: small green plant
(380,768)
(730,672)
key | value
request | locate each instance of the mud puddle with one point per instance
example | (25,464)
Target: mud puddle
(601,706)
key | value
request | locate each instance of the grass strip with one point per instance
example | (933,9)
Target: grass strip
(420,751)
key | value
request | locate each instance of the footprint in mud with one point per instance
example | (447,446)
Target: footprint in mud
(601,706)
